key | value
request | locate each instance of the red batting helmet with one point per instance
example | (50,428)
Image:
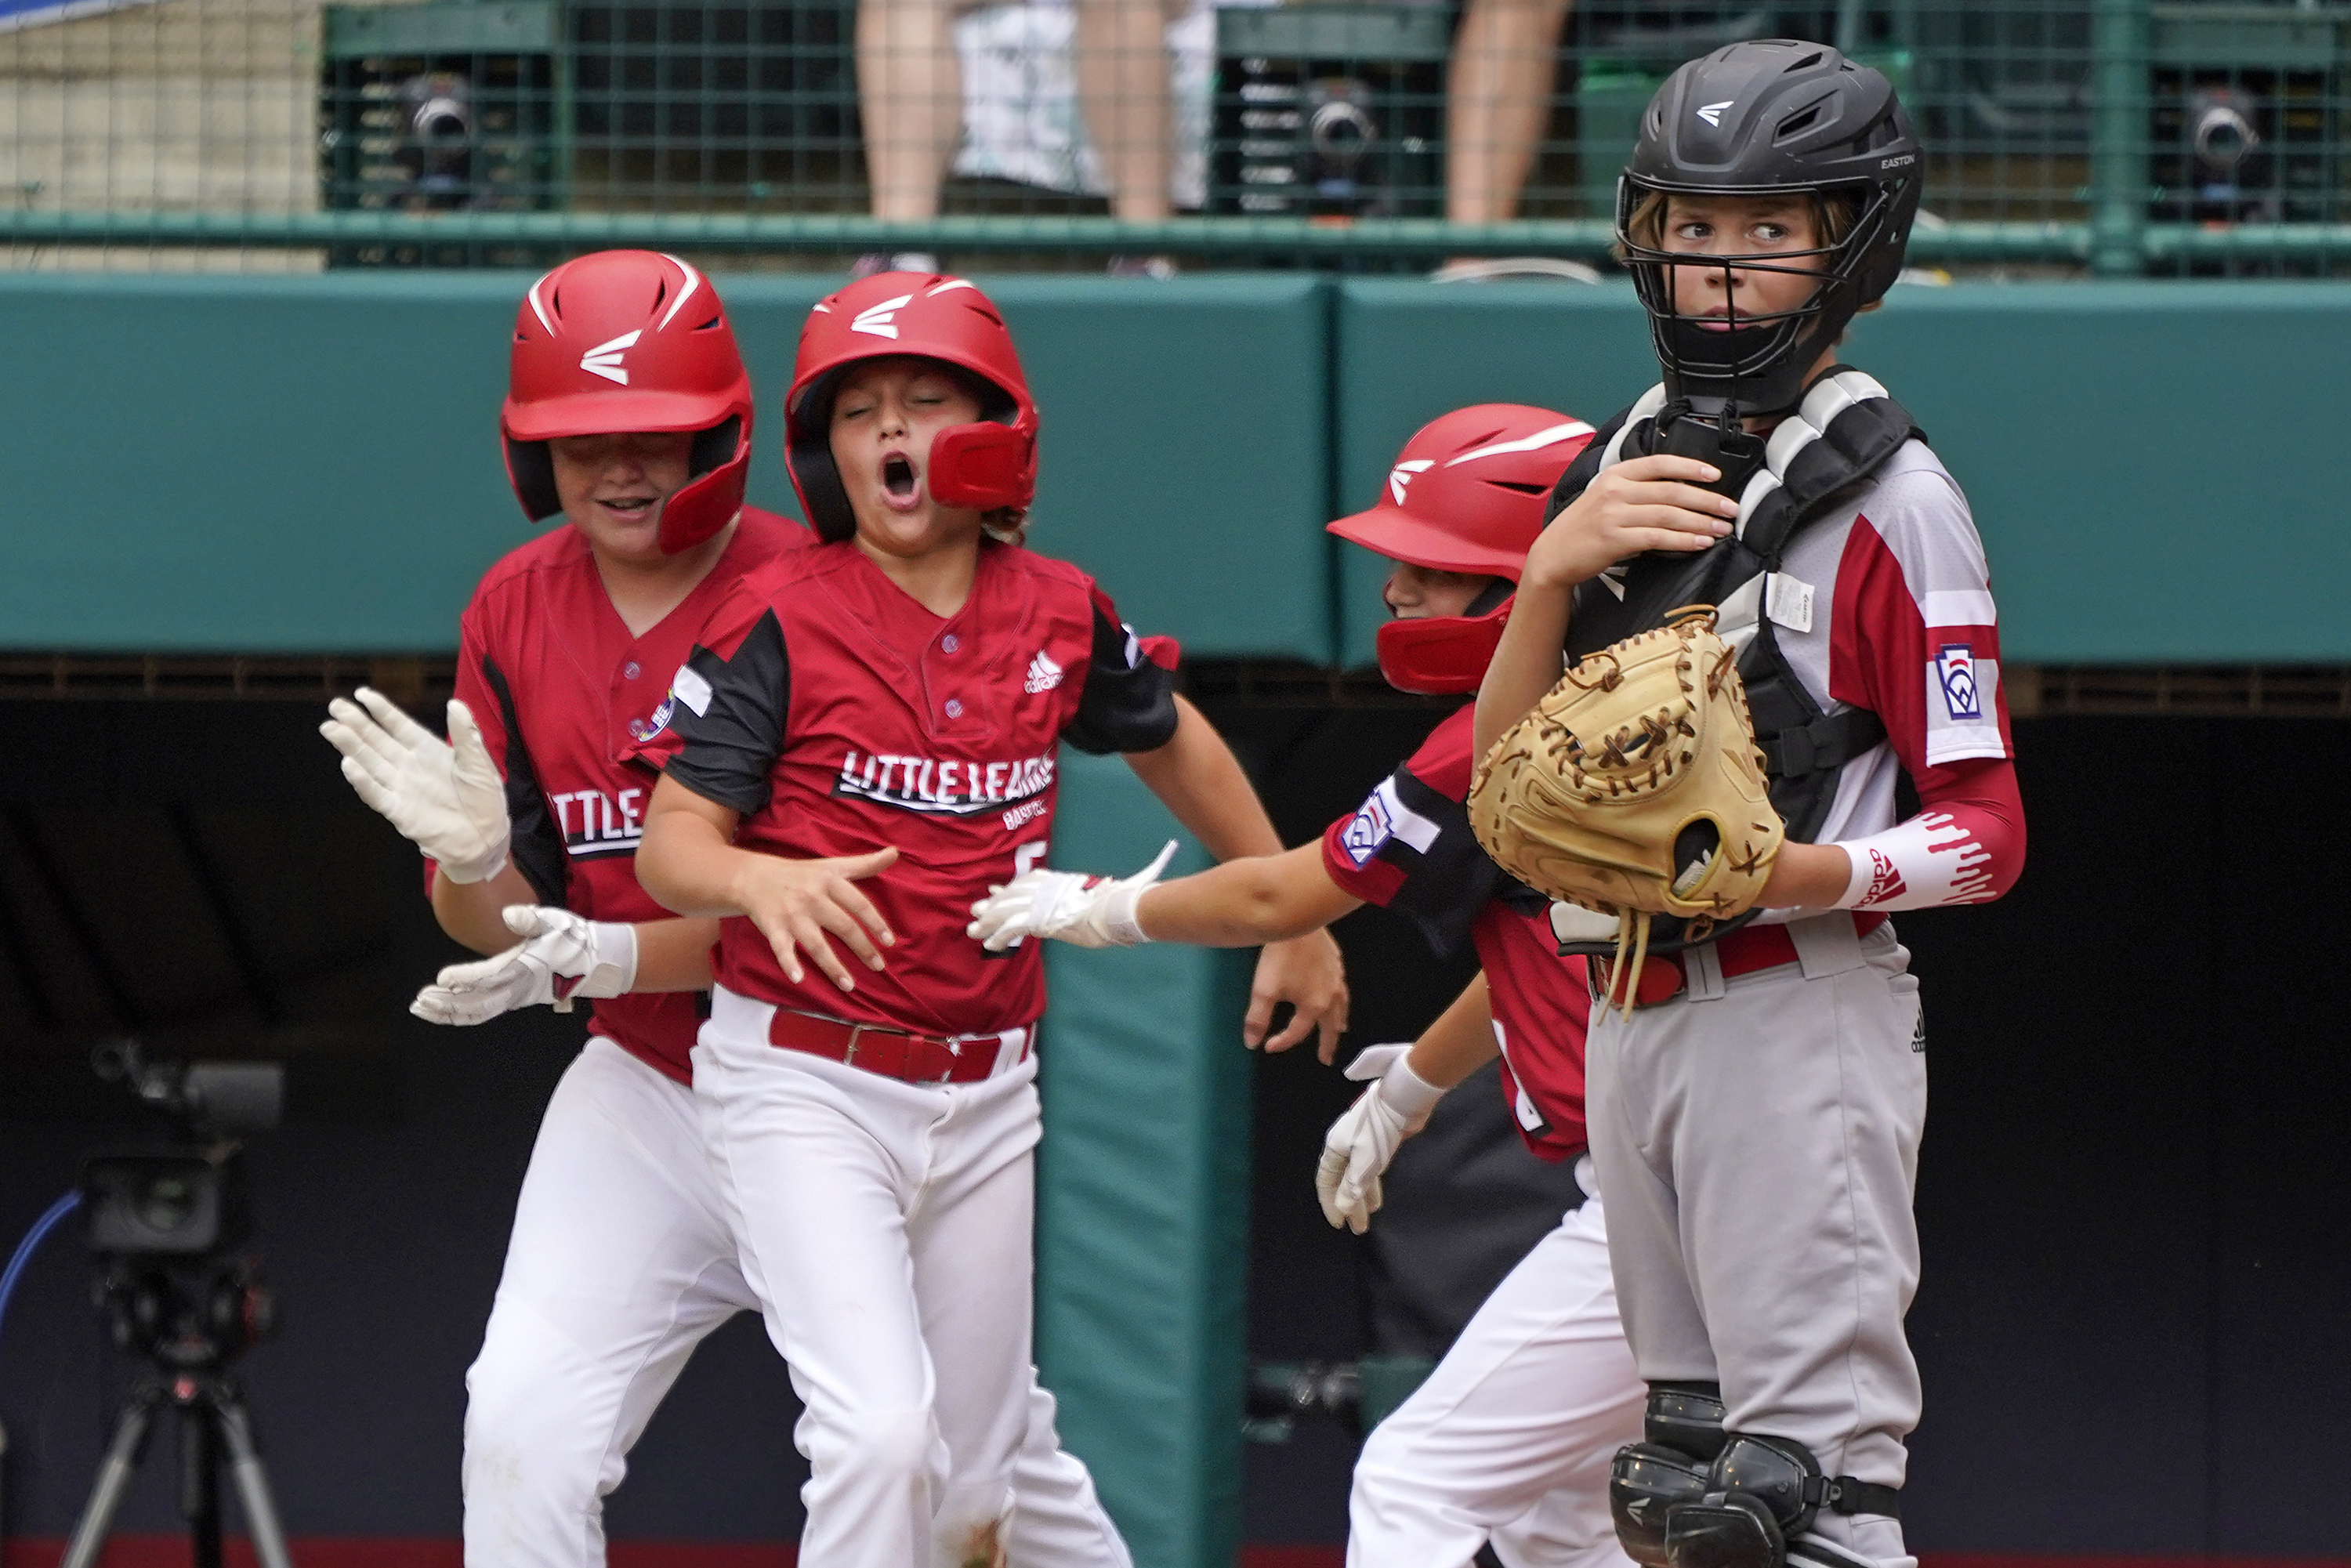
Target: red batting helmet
(627,340)
(985,466)
(1469,493)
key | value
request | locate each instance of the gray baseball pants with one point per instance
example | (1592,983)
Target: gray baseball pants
(1757,1141)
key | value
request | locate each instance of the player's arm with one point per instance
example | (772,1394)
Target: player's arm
(562,956)
(1197,778)
(1919,646)
(1410,1081)
(1246,902)
(1643,504)
(689,862)
(473,912)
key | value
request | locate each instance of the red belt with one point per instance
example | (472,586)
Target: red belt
(891,1052)
(1743,952)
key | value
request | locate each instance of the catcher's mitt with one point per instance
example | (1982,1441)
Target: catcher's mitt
(1634,788)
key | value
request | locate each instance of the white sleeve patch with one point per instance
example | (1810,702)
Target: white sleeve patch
(1383,816)
(1962,703)
(691,689)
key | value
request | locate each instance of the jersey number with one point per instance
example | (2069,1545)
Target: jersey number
(1024,860)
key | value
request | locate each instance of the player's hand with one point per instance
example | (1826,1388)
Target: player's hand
(1069,906)
(561,955)
(1365,1137)
(794,902)
(444,796)
(1643,504)
(1308,973)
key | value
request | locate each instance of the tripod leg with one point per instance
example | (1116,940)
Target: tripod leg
(199,1485)
(114,1473)
(252,1484)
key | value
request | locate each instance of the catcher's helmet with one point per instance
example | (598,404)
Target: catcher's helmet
(627,340)
(986,466)
(1765,118)
(1467,493)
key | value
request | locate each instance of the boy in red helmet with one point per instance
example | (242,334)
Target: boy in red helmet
(885,708)
(629,417)
(1509,1438)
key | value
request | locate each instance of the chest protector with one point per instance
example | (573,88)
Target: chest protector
(1840,435)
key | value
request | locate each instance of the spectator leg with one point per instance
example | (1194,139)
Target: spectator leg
(1496,104)
(910,97)
(1122,90)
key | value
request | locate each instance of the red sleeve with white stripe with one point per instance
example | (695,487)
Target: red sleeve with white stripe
(1916,640)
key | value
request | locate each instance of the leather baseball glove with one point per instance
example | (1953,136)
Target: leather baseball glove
(1634,788)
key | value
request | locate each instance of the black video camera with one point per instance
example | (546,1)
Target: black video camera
(186,1198)
(166,1220)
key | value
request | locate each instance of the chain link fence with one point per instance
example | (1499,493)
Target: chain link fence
(2117,137)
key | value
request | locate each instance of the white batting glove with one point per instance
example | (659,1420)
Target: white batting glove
(1367,1135)
(444,796)
(1090,911)
(562,956)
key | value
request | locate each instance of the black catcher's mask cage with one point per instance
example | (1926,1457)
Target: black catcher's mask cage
(1771,118)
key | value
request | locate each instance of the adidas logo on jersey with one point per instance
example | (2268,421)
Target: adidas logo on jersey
(1043,675)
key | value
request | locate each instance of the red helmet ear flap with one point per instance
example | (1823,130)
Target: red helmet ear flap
(721,461)
(983,466)
(1440,655)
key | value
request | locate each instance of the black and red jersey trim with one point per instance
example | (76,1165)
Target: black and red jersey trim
(536,845)
(1448,880)
(731,713)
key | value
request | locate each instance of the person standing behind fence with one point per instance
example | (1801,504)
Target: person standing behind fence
(910,98)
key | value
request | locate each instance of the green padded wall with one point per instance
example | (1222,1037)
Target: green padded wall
(266,465)
(1143,1200)
(2123,445)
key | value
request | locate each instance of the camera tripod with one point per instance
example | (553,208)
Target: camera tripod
(191,1336)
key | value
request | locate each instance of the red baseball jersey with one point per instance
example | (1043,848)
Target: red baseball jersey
(563,694)
(1408,848)
(836,714)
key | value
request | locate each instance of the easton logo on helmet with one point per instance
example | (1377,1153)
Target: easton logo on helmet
(604,358)
(1400,477)
(881,320)
(1712,112)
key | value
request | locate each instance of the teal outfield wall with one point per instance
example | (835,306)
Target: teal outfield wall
(308,463)
(311,464)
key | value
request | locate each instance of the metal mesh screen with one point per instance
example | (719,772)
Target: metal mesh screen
(2113,136)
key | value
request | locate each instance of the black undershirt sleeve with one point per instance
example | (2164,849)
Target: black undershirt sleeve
(732,721)
(1448,884)
(1128,703)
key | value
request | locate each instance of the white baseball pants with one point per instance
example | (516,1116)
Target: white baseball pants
(620,1262)
(885,1228)
(1510,1439)
(1758,1139)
